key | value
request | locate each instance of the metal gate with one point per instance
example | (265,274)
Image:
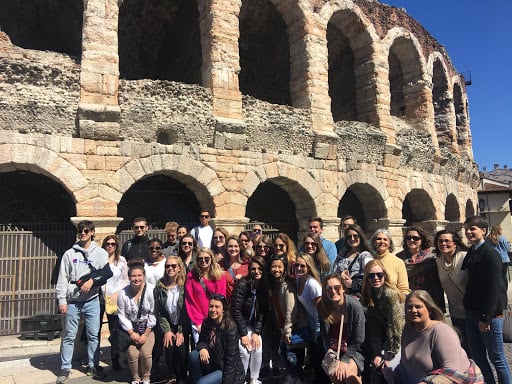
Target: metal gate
(28,254)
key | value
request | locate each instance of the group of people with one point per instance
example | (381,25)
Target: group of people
(223,308)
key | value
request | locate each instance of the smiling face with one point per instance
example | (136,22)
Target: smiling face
(155,250)
(300,266)
(353,239)
(182,231)
(475,234)
(277,269)
(136,277)
(233,249)
(187,244)
(84,235)
(446,245)
(376,276)
(310,246)
(413,241)
(280,247)
(216,310)
(256,271)
(219,239)
(334,289)
(172,267)
(315,227)
(262,249)
(417,312)
(381,243)
(204,261)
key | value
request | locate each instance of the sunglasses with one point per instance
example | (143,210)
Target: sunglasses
(218,238)
(111,244)
(203,259)
(155,248)
(256,230)
(413,238)
(173,266)
(257,269)
(353,237)
(218,297)
(310,243)
(378,275)
(300,266)
(279,246)
(336,288)
(262,247)
(244,240)
(204,216)
(85,230)
(139,227)
(187,243)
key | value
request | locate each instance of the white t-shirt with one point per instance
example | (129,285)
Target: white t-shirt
(154,272)
(203,236)
(312,291)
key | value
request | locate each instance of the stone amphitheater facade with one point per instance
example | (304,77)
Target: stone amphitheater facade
(346,107)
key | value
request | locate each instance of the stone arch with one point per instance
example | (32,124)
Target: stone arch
(365,203)
(160,39)
(46,25)
(452,211)
(461,117)
(442,102)
(417,207)
(193,174)
(470,208)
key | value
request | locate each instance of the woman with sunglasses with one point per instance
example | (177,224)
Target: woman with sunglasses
(246,244)
(353,258)
(205,279)
(236,267)
(334,307)
(187,251)
(384,319)
(420,263)
(137,323)
(248,305)
(154,262)
(172,316)
(285,247)
(263,246)
(396,274)
(312,245)
(216,358)
(111,289)
(219,245)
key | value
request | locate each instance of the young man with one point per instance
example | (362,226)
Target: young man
(83,270)
(203,233)
(170,247)
(316,225)
(484,301)
(345,222)
(137,246)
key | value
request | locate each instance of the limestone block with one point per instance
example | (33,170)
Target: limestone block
(135,169)
(77,160)
(96,207)
(95,162)
(110,194)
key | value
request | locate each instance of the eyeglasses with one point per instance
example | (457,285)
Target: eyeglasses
(218,238)
(256,230)
(139,227)
(204,216)
(187,243)
(353,237)
(155,248)
(300,266)
(444,241)
(262,247)
(333,288)
(310,243)
(85,230)
(279,246)
(111,244)
(257,269)
(218,297)
(413,238)
(203,259)
(173,266)
(378,275)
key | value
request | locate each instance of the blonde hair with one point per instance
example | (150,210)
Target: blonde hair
(320,255)
(214,270)
(310,263)
(326,306)
(291,249)
(181,275)
(495,233)
(366,290)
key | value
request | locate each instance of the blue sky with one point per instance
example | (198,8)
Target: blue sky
(477,35)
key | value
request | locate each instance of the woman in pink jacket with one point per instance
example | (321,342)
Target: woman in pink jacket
(203,281)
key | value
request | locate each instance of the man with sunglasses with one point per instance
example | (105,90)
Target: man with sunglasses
(137,246)
(83,270)
(203,232)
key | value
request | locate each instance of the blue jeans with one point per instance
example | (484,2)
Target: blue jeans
(488,344)
(91,312)
(196,369)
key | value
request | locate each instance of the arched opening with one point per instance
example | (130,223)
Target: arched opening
(364,203)
(264,53)
(460,117)
(396,85)
(342,79)
(452,211)
(470,208)
(441,102)
(159,198)
(160,40)
(417,207)
(281,214)
(45,25)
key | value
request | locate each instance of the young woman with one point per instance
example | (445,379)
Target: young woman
(111,289)
(353,258)
(291,319)
(187,251)
(384,317)
(451,251)
(263,246)
(216,358)
(138,295)
(155,262)
(218,246)
(173,319)
(312,245)
(500,244)
(246,244)
(205,279)
(235,267)
(284,247)
(420,264)
(248,305)
(382,244)
(335,306)
(441,357)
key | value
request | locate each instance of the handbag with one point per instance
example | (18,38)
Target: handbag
(110,305)
(331,358)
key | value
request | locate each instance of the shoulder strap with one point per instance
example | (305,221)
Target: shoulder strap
(141,300)
(340,335)
(352,263)
(201,281)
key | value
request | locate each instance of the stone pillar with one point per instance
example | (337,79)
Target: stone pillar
(103,225)
(219,26)
(233,225)
(99,114)
(331,225)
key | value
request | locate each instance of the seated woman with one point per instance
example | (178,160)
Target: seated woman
(335,306)
(442,359)
(384,318)
(216,358)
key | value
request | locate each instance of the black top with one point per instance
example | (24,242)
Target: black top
(245,302)
(136,248)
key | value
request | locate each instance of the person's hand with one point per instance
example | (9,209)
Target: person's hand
(255,341)
(377,361)
(87,286)
(484,327)
(142,339)
(347,280)
(63,308)
(341,371)
(204,356)
(180,339)
(168,339)
(246,342)
(135,337)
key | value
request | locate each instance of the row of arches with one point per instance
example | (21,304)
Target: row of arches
(276,49)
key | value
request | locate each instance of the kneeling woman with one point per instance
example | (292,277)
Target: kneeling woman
(216,358)
(335,306)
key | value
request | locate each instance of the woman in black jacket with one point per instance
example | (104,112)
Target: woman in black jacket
(248,307)
(216,358)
